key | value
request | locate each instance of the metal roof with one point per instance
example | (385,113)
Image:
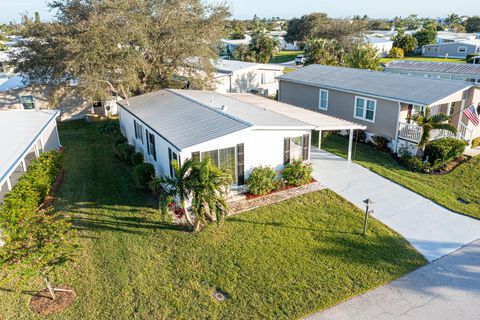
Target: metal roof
(13,83)
(249,113)
(18,131)
(319,120)
(390,86)
(443,67)
(180,121)
(230,66)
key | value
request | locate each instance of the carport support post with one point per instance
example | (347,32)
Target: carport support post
(319,139)
(350,145)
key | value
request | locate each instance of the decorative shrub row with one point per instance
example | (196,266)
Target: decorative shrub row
(142,172)
(22,202)
(264,180)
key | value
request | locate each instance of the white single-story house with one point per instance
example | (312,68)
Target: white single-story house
(16,93)
(230,45)
(383,45)
(238,76)
(24,134)
(439,70)
(450,36)
(280,36)
(237,131)
(384,102)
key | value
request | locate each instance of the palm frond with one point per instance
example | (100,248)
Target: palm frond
(440,117)
(445,126)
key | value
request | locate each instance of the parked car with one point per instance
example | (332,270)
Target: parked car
(300,59)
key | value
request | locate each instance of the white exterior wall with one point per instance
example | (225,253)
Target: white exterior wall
(261,147)
(162,166)
(246,80)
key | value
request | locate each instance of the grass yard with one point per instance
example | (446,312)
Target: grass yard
(285,56)
(425,59)
(278,262)
(443,189)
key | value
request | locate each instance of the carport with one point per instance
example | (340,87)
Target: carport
(320,121)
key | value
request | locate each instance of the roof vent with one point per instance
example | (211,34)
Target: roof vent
(224,108)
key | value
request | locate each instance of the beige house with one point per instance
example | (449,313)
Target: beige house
(15,93)
(383,102)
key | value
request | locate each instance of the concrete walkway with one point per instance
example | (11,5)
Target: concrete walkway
(447,289)
(433,230)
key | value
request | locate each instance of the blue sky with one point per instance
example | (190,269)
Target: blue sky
(12,9)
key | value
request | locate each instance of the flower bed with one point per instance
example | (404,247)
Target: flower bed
(250,196)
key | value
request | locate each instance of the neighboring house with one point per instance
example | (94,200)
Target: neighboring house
(16,93)
(239,76)
(237,131)
(284,45)
(229,45)
(449,37)
(444,70)
(383,102)
(452,50)
(383,45)
(24,135)
(476,60)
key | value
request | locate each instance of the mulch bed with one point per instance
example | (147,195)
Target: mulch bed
(249,196)
(43,304)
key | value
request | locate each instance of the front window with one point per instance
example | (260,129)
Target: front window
(323,99)
(296,148)
(151,148)
(223,159)
(28,102)
(138,130)
(365,109)
(462,49)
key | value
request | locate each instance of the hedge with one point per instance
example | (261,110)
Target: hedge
(23,201)
(143,174)
(297,173)
(442,151)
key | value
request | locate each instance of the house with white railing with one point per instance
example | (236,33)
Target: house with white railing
(386,103)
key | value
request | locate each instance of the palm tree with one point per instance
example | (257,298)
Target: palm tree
(428,122)
(210,187)
(179,186)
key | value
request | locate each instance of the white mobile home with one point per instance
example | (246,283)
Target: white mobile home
(237,131)
(238,76)
(24,134)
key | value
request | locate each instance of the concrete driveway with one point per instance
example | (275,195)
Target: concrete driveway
(447,289)
(433,230)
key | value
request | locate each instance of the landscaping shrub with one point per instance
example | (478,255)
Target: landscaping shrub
(442,151)
(137,158)
(413,163)
(360,136)
(125,151)
(396,53)
(297,173)
(381,143)
(109,126)
(143,174)
(119,140)
(476,142)
(262,180)
(470,57)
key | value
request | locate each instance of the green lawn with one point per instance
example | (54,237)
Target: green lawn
(278,262)
(285,56)
(420,58)
(463,182)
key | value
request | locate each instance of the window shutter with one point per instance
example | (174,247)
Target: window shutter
(196,155)
(240,164)
(135,128)
(286,150)
(306,146)
(148,144)
(170,158)
(154,148)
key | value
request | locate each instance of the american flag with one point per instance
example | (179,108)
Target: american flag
(471,114)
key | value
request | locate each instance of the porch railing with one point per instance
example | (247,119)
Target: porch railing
(413,133)
(465,133)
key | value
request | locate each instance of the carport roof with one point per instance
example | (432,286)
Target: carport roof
(319,120)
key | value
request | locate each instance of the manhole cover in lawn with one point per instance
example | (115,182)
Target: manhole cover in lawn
(219,295)
(463,201)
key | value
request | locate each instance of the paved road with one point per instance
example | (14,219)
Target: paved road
(433,230)
(446,289)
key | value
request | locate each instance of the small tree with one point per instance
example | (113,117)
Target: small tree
(426,36)
(320,51)
(363,57)
(407,43)
(396,53)
(428,122)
